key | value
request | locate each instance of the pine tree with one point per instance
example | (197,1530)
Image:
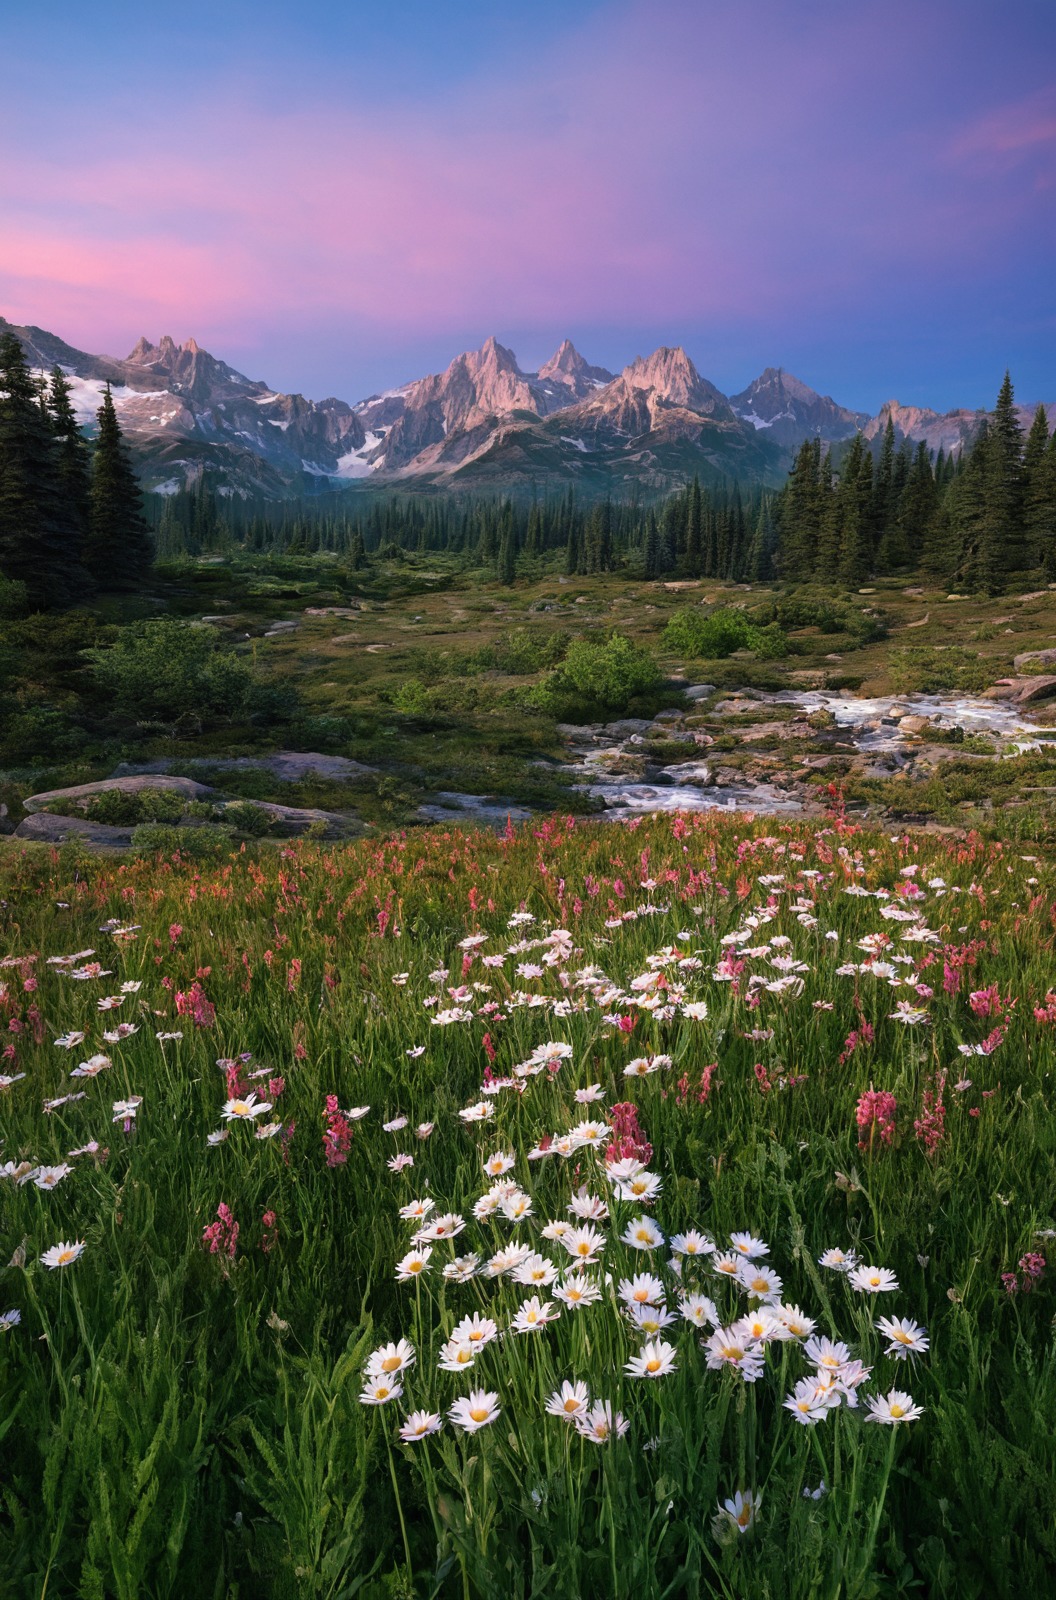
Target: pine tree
(801,512)
(855,547)
(119,552)
(919,502)
(1039,494)
(694,532)
(38,542)
(1002,548)
(652,548)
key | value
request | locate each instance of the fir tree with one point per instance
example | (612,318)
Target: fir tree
(38,537)
(1001,544)
(694,531)
(1039,494)
(118,550)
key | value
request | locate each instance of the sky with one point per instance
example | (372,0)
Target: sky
(339,199)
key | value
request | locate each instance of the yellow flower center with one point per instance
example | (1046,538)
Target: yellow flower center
(65,1256)
(571,1405)
(898,1411)
(653,1366)
(391,1364)
(902,1336)
(478,1413)
(744,1516)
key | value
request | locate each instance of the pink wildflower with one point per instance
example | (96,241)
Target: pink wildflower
(875,1115)
(221,1237)
(337,1135)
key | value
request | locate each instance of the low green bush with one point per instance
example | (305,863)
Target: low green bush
(717,634)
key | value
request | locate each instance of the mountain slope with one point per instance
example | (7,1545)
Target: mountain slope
(790,411)
(183,412)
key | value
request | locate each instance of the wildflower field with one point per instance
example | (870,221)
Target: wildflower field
(652,1210)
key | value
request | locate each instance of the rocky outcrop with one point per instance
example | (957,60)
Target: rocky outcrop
(80,795)
(46,829)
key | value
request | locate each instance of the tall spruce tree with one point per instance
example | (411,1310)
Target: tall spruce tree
(694,532)
(1002,546)
(1039,494)
(38,542)
(118,551)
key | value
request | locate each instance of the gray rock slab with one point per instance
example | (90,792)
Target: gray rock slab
(1041,658)
(80,794)
(298,819)
(53,830)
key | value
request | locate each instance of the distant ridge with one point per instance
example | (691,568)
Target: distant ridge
(482,423)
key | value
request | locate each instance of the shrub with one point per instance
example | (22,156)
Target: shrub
(198,843)
(716,635)
(247,818)
(604,675)
(167,669)
(922,669)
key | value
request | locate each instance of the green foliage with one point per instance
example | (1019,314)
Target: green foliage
(176,1422)
(195,844)
(603,675)
(924,669)
(245,817)
(715,635)
(121,808)
(167,669)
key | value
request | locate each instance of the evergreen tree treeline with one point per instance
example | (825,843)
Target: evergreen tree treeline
(71,518)
(980,520)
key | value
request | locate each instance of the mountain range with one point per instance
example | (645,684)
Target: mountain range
(482,424)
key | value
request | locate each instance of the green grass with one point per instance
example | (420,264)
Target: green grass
(178,1422)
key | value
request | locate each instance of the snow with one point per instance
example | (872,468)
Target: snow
(282,425)
(355,464)
(579,444)
(756,422)
(86,394)
(264,399)
(171,486)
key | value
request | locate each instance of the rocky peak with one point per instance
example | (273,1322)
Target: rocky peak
(671,378)
(566,366)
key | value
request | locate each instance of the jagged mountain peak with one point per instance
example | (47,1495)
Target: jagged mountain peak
(566,365)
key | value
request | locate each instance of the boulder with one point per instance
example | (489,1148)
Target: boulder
(1035,688)
(80,794)
(913,724)
(1041,658)
(293,820)
(628,725)
(699,691)
(54,830)
(691,772)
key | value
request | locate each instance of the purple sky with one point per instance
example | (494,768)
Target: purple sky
(865,195)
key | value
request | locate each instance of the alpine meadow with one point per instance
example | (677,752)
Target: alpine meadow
(528,897)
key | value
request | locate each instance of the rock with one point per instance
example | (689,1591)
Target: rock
(1043,658)
(628,725)
(1035,594)
(53,830)
(913,724)
(920,621)
(691,772)
(1035,688)
(576,733)
(699,691)
(487,810)
(668,716)
(293,820)
(277,629)
(331,611)
(81,793)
